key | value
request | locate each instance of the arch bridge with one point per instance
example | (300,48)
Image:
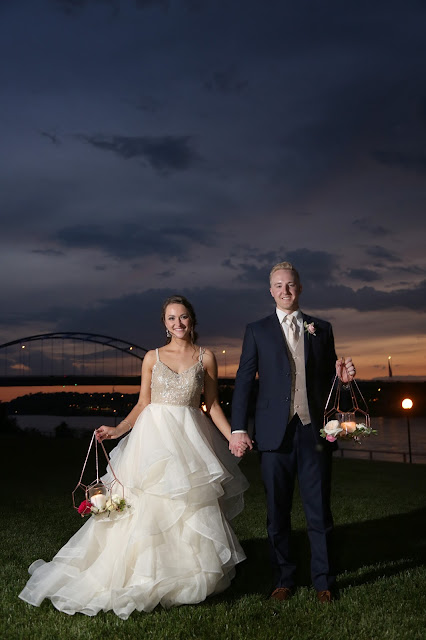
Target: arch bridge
(70,358)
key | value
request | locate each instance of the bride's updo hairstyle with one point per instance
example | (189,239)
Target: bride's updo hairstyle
(190,309)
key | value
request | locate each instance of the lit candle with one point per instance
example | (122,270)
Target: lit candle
(98,500)
(349,427)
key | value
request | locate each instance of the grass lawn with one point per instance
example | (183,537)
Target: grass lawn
(380,542)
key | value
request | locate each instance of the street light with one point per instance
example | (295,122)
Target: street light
(224,353)
(407,404)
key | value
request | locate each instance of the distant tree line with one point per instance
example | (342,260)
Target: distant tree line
(73,404)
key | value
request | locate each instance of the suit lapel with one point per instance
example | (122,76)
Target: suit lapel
(276,330)
(307,337)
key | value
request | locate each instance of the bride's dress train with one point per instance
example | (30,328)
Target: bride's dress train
(174,545)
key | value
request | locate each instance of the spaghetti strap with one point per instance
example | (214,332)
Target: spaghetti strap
(158,355)
(202,352)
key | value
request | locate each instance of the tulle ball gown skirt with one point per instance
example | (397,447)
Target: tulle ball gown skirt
(174,544)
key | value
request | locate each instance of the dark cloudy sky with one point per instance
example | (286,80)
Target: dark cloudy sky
(160,146)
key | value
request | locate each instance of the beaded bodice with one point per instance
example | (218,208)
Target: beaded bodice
(182,389)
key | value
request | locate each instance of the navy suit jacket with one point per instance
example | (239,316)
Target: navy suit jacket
(264,352)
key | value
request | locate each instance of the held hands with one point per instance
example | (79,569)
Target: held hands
(239,444)
(345,370)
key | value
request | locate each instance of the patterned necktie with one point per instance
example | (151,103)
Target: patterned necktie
(292,330)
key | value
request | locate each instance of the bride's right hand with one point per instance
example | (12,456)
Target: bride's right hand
(106,433)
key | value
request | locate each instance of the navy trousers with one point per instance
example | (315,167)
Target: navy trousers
(299,455)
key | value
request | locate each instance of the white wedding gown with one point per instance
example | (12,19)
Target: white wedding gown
(174,545)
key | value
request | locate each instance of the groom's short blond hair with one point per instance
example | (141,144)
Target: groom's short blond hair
(284,265)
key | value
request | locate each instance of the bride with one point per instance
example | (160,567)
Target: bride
(174,544)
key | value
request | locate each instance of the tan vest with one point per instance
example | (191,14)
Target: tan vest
(299,397)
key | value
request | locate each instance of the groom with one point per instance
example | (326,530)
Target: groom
(295,358)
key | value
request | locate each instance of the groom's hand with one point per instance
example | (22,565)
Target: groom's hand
(345,370)
(239,444)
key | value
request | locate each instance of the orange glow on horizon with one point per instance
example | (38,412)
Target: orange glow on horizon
(370,355)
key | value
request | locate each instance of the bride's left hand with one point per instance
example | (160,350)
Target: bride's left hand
(106,433)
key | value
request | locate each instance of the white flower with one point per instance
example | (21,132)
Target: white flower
(362,427)
(332,428)
(116,498)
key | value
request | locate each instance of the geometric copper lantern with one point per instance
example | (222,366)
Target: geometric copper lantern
(348,421)
(99,496)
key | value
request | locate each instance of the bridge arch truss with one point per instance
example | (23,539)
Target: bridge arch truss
(70,353)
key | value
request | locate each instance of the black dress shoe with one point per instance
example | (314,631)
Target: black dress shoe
(281,594)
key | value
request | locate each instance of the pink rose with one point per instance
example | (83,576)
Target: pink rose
(331,438)
(310,328)
(84,508)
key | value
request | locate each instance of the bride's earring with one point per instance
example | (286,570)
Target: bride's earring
(168,334)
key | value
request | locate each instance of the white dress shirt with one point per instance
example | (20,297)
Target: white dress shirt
(295,314)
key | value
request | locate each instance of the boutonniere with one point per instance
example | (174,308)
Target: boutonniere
(310,328)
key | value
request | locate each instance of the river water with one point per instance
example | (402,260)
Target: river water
(390,444)
(391,441)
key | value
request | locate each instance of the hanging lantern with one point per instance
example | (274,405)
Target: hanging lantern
(346,413)
(100,497)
